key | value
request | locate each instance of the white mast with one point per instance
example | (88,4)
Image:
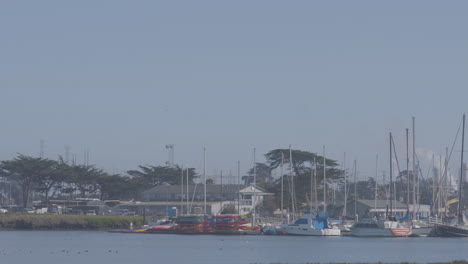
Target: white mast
(282,186)
(238,187)
(355,189)
(293,191)
(315,185)
(414,169)
(182,190)
(345,209)
(204,177)
(324,182)
(188,193)
(376,172)
(311,188)
(255,188)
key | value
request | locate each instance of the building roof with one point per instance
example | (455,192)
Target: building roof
(380,203)
(198,188)
(251,190)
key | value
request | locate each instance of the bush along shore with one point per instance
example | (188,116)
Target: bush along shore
(67,222)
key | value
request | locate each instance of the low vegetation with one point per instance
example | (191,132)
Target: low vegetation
(67,222)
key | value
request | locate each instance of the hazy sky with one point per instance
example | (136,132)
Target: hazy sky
(125,78)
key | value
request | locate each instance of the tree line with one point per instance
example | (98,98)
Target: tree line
(301,175)
(63,180)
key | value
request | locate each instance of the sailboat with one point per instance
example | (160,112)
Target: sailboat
(389,227)
(312,223)
(460,229)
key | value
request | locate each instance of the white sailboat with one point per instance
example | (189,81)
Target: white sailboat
(312,223)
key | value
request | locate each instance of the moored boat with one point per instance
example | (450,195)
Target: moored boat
(311,224)
(231,225)
(375,228)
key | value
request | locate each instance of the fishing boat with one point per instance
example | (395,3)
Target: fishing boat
(311,224)
(375,228)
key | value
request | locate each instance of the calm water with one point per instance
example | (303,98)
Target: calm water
(102,247)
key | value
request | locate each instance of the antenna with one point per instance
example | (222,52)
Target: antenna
(41,148)
(170,158)
(67,154)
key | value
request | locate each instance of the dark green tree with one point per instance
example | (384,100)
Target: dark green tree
(150,176)
(26,171)
(303,165)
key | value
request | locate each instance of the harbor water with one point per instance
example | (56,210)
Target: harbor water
(102,247)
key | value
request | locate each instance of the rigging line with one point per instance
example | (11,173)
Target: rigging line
(399,172)
(448,159)
(424,183)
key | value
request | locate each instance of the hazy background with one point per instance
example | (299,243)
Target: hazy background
(125,78)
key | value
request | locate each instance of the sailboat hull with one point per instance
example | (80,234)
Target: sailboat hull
(449,231)
(305,231)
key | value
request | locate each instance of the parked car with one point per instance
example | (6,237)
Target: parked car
(90,212)
(3,211)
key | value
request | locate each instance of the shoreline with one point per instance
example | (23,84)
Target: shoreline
(46,222)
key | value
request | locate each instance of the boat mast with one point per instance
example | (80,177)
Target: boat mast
(238,187)
(255,188)
(376,172)
(182,190)
(293,191)
(414,169)
(282,186)
(407,169)
(391,172)
(204,178)
(345,209)
(355,190)
(311,188)
(188,193)
(324,182)
(315,185)
(460,184)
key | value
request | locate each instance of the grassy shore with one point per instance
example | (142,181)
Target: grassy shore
(67,222)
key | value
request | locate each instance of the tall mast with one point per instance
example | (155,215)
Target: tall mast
(188,193)
(311,188)
(282,187)
(391,172)
(414,169)
(355,189)
(345,209)
(182,190)
(315,185)
(324,182)
(460,184)
(376,172)
(255,188)
(293,191)
(238,187)
(204,178)
(407,168)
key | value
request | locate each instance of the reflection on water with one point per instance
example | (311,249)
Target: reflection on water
(102,247)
